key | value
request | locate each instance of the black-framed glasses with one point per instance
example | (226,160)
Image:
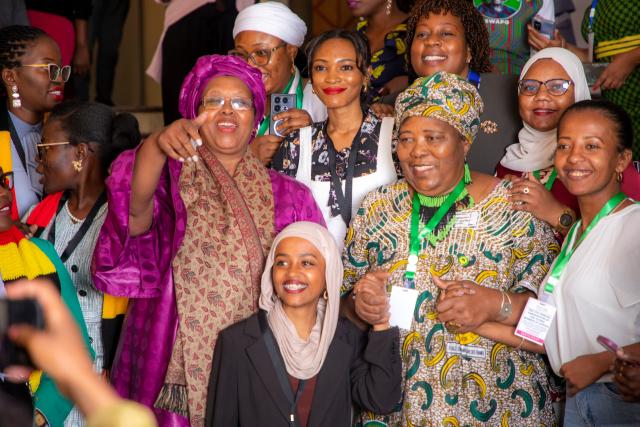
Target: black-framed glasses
(217,102)
(259,57)
(555,87)
(56,72)
(6,181)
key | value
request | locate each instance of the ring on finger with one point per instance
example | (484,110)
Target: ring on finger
(526,190)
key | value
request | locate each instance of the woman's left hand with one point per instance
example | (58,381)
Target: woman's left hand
(465,305)
(292,120)
(626,370)
(585,370)
(382,110)
(530,196)
(616,73)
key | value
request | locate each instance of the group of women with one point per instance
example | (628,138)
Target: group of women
(297,280)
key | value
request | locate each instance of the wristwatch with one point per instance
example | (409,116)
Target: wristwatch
(565,220)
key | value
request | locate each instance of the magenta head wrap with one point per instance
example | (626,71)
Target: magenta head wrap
(211,66)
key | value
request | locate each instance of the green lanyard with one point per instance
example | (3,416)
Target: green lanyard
(264,124)
(550,180)
(565,254)
(417,236)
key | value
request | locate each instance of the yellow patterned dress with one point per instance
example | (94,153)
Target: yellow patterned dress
(452,379)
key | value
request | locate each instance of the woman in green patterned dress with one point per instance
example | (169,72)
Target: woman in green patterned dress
(452,376)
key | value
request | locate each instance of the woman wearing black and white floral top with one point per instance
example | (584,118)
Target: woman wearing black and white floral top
(321,155)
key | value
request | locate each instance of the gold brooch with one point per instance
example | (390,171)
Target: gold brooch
(489,126)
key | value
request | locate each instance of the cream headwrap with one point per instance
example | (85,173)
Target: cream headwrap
(304,359)
(535,149)
(272,18)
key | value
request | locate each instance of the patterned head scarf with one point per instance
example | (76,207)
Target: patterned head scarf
(444,96)
(211,66)
(304,359)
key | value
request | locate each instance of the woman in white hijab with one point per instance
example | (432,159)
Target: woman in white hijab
(295,363)
(268,36)
(551,81)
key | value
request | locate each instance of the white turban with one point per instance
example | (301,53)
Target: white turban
(272,18)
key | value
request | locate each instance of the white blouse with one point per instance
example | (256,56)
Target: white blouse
(599,291)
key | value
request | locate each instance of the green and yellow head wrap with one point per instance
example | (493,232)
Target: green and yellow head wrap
(444,96)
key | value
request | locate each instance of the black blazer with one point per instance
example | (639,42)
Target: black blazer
(360,368)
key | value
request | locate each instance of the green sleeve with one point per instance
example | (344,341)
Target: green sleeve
(48,399)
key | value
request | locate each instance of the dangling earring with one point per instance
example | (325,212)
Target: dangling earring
(467,173)
(619,176)
(77,165)
(388,8)
(15,101)
(325,295)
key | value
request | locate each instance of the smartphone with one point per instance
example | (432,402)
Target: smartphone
(544,26)
(280,102)
(608,344)
(15,312)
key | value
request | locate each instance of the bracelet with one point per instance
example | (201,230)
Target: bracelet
(521,342)
(505,307)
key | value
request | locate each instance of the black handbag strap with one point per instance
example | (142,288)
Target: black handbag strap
(281,373)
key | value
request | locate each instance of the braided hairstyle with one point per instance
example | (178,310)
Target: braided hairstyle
(14,42)
(475,31)
(86,122)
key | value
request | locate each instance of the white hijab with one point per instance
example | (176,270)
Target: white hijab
(535,149)
(304,359)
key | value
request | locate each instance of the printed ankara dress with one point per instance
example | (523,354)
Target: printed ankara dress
(457,379)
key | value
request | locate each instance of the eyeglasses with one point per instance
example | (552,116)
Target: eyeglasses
(217,102)
(55,71)
(41,149)
(555,87)
(259,57)
(6,181)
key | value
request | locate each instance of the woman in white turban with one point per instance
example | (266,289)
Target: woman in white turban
(268,35)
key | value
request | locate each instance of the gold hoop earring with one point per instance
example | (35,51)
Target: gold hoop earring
(325,295)
(619,176)
(77,165)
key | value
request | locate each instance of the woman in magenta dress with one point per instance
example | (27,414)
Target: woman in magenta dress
(551,81)
(192,215)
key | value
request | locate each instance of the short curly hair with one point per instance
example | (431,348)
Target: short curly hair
(475,31)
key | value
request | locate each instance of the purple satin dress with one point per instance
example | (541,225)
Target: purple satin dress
(140,268)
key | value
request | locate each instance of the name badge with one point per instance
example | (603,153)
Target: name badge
(467,219)
(468,351)
(403,303)
(535,321)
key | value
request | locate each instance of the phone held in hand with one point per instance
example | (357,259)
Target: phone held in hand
(280,102)
(17,312)
(607,343)
(544,26)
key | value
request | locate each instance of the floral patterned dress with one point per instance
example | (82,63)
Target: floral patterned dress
(457,379)
(287,157)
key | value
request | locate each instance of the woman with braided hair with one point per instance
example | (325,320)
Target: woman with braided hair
(33,81)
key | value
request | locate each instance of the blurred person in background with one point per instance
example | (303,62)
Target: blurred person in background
(33,81)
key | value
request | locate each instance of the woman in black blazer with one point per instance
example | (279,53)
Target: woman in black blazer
(295,363)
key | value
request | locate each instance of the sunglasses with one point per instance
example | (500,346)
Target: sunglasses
(56,72)
(6,180)
(555,87)
(260,57)
(217,102)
